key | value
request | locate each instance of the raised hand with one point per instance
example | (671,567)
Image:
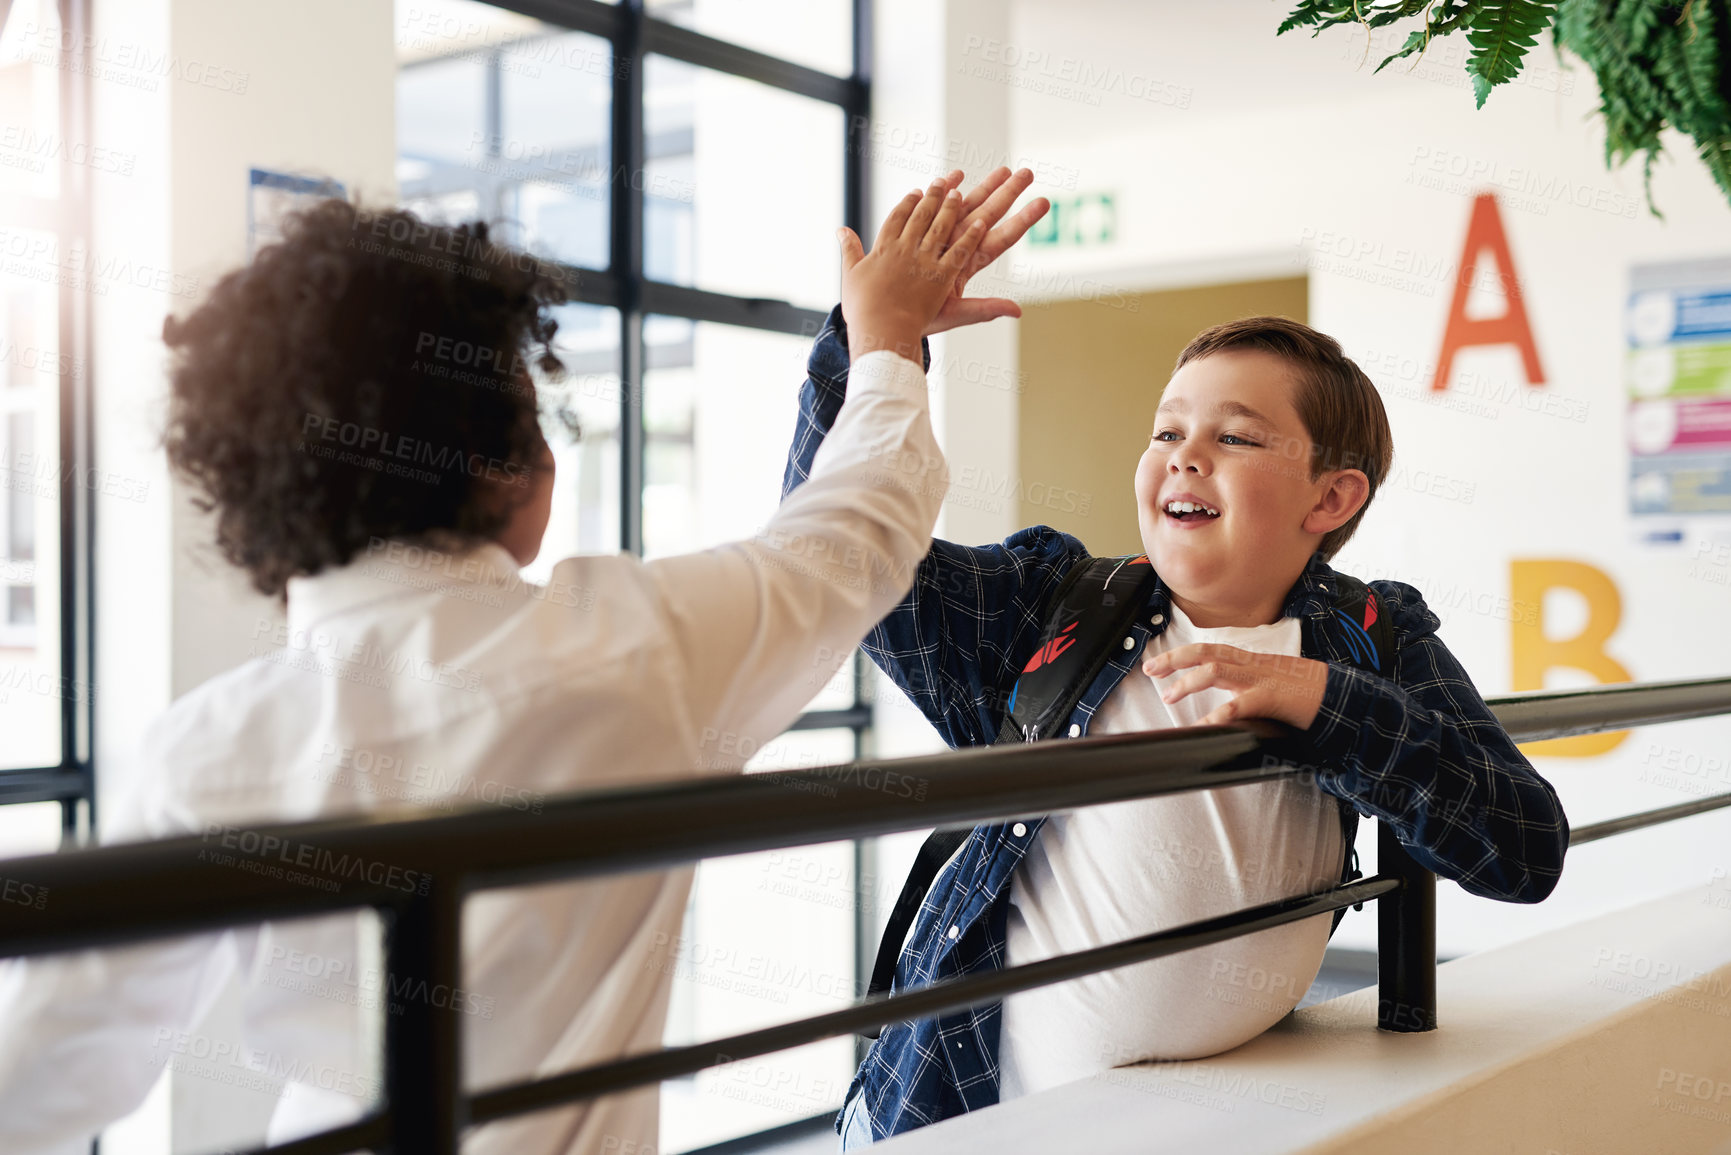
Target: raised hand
(988,201)
(890,296)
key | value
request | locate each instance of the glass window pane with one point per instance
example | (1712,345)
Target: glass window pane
(29,828)
(743,189)
(718,413)
(837,693)
(538,164)
(441,135)
(585,515)
(803,749)
(21,503)
(19,369)
(442,114)
(554,152)
(768,938)
(31,689)
(426,29)
(815,33)
(32,148)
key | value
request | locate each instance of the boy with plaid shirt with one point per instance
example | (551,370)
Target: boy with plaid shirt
(1266,449)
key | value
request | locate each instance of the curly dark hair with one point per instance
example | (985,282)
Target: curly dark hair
(363,378)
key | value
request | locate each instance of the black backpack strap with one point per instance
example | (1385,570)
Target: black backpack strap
(1007,731)
(1367,634)
(934,852)
(1084,619)
(1085,623)
(1359,621)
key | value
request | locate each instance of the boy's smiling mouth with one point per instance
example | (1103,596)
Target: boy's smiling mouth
(1187,509)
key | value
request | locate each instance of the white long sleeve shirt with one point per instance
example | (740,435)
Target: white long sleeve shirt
(408,677)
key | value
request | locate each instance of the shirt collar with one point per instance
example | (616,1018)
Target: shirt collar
(390,570)
(1312,595)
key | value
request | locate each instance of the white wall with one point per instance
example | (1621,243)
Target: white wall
(320,100)
(1247,152)
(929,117)
(130,214)
(308,90)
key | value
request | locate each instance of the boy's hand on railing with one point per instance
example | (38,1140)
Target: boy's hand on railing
(1279,686)
(889,296)
(988,202)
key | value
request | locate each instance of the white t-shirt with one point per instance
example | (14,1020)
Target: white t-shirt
(1108,873)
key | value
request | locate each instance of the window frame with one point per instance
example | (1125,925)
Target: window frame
(634,35)
(72,780)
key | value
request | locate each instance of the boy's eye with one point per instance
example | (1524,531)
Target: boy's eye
(1162,435)
(1236,439)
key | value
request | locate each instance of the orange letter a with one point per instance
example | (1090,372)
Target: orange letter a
(1485,231)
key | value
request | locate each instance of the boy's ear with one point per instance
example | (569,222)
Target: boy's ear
(1345,495)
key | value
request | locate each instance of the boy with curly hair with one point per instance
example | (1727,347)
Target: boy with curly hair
(390,504)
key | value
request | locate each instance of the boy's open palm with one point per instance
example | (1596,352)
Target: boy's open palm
(890,295)
(1279,686)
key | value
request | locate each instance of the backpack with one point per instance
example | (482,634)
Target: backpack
(1086,619)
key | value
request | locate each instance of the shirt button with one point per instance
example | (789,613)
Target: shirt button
(1075,730)
(1018,829)
(1130,643)
(1156,619)
(955,932)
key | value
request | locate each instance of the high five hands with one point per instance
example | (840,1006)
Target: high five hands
(911,284)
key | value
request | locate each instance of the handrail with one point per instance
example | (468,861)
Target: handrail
(614,830)
(643,827)
(920,1002)
(1646,818)
(417,870)
(1540,714)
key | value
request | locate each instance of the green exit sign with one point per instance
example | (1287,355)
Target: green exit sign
(1088,219)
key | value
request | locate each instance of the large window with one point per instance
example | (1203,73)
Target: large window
(687,161)
(46,482)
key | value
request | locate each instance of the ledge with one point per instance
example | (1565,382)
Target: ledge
(1610,1035)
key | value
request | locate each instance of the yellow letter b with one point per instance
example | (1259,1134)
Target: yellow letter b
(1533,653)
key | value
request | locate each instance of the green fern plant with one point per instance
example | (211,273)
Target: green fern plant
(1658,65)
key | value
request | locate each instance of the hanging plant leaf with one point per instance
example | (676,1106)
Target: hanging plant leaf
(1658,65)
(1500,33)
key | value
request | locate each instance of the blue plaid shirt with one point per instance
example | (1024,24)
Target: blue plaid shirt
(1422,752)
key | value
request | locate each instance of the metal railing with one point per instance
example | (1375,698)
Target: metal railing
(125,893)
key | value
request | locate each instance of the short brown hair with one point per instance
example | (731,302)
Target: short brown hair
(1338,404)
